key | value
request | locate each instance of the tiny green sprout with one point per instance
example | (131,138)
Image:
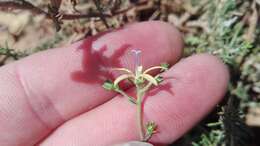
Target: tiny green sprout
(150,129)
(165,67)
(108,85)
(143,81)
(159,79)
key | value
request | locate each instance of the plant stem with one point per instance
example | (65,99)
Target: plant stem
(100,9)
(127,96)
(140,114)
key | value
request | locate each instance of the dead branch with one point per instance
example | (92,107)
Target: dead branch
(99,8)
(191,11)
(250,36)
(199,24)
(23,4)
(56,3)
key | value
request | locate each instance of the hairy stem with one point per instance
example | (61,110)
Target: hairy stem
(140,114)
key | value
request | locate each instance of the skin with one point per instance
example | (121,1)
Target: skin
(40,104)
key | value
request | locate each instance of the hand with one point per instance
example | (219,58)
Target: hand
(55,98)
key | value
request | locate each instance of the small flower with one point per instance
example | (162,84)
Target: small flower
(137,55)
(143,81)
(140,76)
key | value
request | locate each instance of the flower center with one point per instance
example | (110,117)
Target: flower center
(137,57)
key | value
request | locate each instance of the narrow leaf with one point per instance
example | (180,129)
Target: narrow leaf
(150,79)
(122,77)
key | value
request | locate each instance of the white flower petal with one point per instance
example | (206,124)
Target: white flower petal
(123,70)
(122,77)
(150,79)
(153,68)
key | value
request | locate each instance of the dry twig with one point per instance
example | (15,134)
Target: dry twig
(99,8)
(250,36)
(22,4)
(190,11)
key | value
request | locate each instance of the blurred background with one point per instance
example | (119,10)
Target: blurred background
(229,29)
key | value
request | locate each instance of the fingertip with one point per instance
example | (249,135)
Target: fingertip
(209,66)
(175,37)
(197,83)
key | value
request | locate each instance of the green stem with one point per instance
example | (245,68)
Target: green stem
(140,114)
(127,96)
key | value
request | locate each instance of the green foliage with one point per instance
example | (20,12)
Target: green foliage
(225,39)
(211,139)
(229,130)
(48,44)
(14,54)
(165,66)
(150,128)
(108,85)
(6,51)
(159,79)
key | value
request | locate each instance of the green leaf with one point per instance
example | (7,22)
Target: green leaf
(150,128)
(159,79)
(165,66)
(108,85)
